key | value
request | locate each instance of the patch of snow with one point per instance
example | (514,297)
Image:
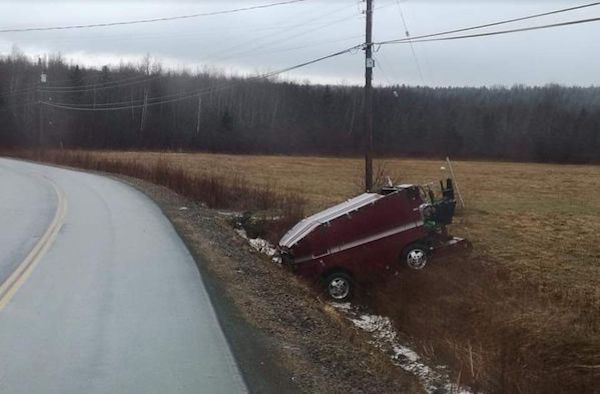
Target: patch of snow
(260,245)
(183,208)
(344,306)
(228,213)
(386,339)
(273,217)
(263,246)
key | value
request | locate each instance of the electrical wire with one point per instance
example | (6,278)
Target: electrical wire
(412,47)
(19,92)
(289,37)
(167,34)
(76,89)
(217,55)
(131,79)
(380,62)
(115,84)
(283,39)
(108,84)
(211,89)
(289,49)
(72,89)
(410,40)
(492,24)
(139,21)
(88,105)
(268,75)
(8,107)
(118,84)
(494,33)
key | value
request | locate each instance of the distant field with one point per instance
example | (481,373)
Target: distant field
(541,220)
(521,315)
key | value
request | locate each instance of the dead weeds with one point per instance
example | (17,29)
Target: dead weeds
(521,315)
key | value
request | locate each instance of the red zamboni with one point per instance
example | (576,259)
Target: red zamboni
(369,233)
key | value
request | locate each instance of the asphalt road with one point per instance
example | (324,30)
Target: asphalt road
(27,206)
(99,294)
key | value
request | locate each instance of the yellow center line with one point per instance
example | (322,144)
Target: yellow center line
(14,282)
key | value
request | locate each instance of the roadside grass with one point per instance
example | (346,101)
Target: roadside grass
(219,191)
(522,314)
(539,220)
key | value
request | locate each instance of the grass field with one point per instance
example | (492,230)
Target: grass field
(523,313)
(541,220)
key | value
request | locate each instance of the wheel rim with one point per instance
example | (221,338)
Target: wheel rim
(416,259)
(339,288)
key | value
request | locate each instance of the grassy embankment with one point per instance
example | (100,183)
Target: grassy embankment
(522,314)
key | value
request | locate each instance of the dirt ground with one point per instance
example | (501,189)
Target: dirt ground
(286,338)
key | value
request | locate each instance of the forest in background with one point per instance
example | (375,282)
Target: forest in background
(255,115)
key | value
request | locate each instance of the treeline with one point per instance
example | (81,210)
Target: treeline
(251,115)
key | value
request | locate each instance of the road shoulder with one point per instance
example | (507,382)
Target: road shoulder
(284,337)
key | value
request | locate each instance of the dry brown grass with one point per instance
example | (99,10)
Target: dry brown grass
(215,190)
(523,313)
(540,220)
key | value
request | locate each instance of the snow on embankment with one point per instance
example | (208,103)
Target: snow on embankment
(383,334)
(260,245)
(385,338)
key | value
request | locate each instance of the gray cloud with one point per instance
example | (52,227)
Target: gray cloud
(275,38)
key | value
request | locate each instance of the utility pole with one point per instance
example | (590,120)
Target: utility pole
(39,92)
(369,65)
(144,112)
(199,113)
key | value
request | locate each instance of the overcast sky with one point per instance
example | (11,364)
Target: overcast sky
(275,38)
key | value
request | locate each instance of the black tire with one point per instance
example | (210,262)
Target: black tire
(339,286)
(415,256)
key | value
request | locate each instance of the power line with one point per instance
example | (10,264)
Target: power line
(88,105)
(96,87)
(73,89)
(117,86)
(183,96)
(382,68)
(412,47)
(113,85)
(123,81)
(128,103)
(283,39)
(186,96)
(139,21)
(108,84)
(138,79)
(502,22)
(144,78)
(268,75)
(195,33)
(218,55)
(19,92)
(422,38)
(494,33)
(9,106)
